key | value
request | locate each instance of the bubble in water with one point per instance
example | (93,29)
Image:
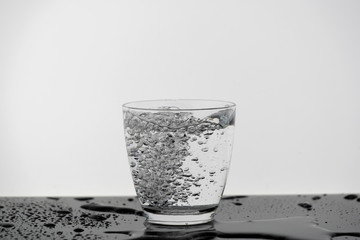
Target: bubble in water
(205,149)
(187,174)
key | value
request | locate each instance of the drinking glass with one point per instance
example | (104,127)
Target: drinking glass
(179,153)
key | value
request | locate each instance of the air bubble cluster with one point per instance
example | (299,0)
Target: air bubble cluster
(159,145)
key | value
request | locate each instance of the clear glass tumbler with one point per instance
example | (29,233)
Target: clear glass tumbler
(179,153)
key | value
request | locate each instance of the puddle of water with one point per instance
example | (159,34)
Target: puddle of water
(238,217)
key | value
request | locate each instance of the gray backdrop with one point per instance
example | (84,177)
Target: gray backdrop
(292,67)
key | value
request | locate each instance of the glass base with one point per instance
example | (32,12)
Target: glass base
(167,219)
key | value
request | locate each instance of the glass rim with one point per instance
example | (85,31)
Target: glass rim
(227,105)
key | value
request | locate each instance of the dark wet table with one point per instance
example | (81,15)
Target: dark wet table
(310,217)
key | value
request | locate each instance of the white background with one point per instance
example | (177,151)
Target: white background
(66,67)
